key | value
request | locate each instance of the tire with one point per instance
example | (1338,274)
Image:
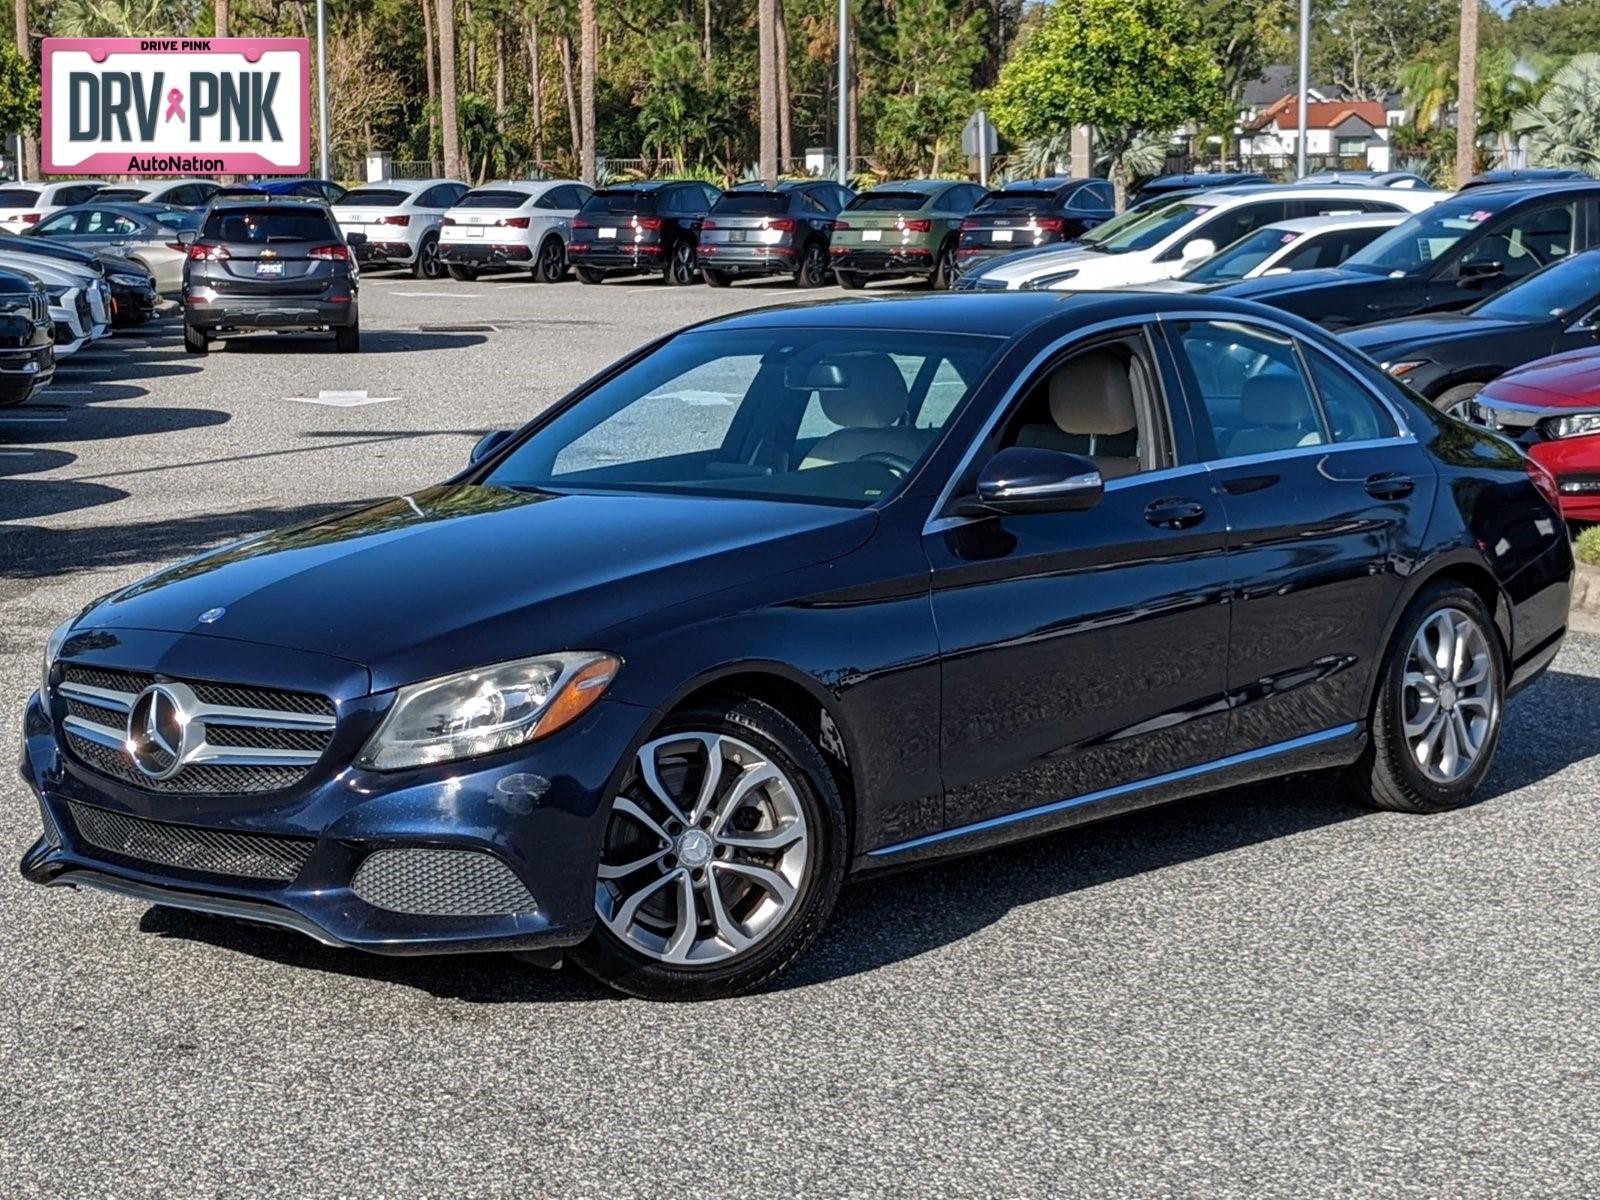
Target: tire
(589,275)
(812,269)
(195,341)
(849,280)
(803,802)
(679,270)
(462,274)
(944,271)
(11,395)
(428,265)
(1450,398)
(347,338)
(1392,773)
(717,279)
(551,265)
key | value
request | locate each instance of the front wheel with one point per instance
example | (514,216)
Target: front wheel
(723,856)
(590,275)
(1437,716)
(680,267)
(849,280)
(463,274)
(716,279)
(1456,401)
(196,341)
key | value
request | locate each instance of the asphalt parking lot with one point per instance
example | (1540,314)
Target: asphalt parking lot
(1261,993)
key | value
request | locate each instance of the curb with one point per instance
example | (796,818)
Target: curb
(1586,588)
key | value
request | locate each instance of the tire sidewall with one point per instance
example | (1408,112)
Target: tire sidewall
(608,959)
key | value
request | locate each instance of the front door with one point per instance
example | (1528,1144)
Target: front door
(1082,650)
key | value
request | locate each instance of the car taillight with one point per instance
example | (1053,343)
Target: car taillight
(30,218)
(841,225)
(1053,224)
(513,222)
(200,252)
(917,225)
(1544,481)
(708,223)
(396,220)
(582,223)
(338,253)
(647,222)
(782,224)
(970,224)
(179,247)
(450,221)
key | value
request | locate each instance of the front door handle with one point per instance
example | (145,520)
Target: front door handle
(1390,485)
(1174,513)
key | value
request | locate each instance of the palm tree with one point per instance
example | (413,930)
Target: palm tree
(1428,83)
(589,53)
(1506,85)
(1564,126)
(28,168)
(448,116)
(221,23)
(1467,109)
(767,19)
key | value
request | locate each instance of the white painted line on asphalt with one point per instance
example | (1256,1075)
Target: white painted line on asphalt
(342,399)
(442,295)
(69,391)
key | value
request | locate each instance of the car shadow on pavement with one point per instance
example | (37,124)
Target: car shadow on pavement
(373,341)
(895,917)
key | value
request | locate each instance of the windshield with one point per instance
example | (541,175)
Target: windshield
(1412,245)
(1140,231)
(821,416)
(373,198)
(487,198)
(1245,255)
(1565,287)
(888,202)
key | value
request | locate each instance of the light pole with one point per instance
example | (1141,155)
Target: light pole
(322,87)
(844,92)
(1305,66)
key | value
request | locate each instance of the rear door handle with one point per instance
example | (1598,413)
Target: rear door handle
(1174,513)
(1390,485)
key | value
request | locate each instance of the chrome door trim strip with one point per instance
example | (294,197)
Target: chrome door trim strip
(1121,789)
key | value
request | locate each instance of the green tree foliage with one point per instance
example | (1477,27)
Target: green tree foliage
(1126,67)
(1428,83)
(1362,45)
(19,91)
(1560,29)
(1564,125)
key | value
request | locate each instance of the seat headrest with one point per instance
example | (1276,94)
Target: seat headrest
(1092,394)
(1277,400)
(874,394)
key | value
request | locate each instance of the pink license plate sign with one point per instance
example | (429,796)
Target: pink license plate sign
(177,106)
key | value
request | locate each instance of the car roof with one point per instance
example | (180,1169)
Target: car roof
(137,208)
(1527,175)
(533,187)
(1050,183)
(649,185)
(400,185)
(1204,178)
(783,185)
(1300,191)
(1510,195)
(917,185)
(267,200)
(1338,221)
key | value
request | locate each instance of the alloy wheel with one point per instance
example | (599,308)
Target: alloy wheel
(552,260)
(683,263)
(431,267)
(1448,703)
(706,852)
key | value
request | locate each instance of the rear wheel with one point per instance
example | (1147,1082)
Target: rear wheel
(428,265)
(1437,716)
(812,270)
(944,271)
(716,278)
(679,270)
(347,338)
(465,274)
(589,275)
(1454,401)
(196,341)
(552,264)
(849,280)
(722,859)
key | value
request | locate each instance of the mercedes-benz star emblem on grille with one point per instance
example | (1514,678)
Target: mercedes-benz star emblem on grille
(160,734)
(211,614)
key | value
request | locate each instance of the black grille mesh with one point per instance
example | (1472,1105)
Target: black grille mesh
(100,716)
(258,738)
(187,848)
(440,883)
(116,681)
(202,779)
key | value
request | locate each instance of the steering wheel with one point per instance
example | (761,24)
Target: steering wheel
(898,464)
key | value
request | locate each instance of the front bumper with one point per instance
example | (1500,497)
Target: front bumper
(1575,462)
(204,309)
(541,812)
(897,260)
(132,305)
(36,364)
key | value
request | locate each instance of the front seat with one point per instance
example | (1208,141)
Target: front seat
(1091,402)
(1275,413)
(873,398)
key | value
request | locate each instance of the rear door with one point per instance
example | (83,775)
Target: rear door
(1326,495)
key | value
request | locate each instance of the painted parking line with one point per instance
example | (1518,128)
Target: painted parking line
(442,295)
(342,399)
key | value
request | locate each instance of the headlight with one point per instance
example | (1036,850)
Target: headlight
(1401,369)
(57,294)
(52,648)
(489,709)
(127,280)
(1577,425)
(1048,281)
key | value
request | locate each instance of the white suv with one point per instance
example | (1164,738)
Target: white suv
(1164,241)
(23,205)
(513,225)
(396,223)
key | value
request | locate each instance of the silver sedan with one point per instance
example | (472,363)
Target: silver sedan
(147,234)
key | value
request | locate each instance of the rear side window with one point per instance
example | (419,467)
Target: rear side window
(1327,251)
(888,202)
(78,193)
(18,198)
(1353,414)
(374,198)
(1228,227)
(752,204)
(620,202)
(269,225)
(177,220)
(493,198)
(134,194)
(1015,202)
(1250,385)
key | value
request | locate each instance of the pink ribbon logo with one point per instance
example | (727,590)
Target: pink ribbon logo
(175,105)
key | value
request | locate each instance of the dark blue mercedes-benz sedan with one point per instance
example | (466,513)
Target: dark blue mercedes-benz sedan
(796,595)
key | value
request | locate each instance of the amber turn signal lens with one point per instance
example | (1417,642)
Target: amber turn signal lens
(578,695)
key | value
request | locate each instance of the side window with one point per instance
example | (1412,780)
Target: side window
(580,194)
(708,196)
(1103,402)
(1103,195)
(810,205)
(99,220)
(841,198)
(1526,242)
(673,202)
(434,197)
(77,195)
(204,191)
(1354,415)
(1327,251)
(1228,227)
(1249,383)
(59,224)
(548,199)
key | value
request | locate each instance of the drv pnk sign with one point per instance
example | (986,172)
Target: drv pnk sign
(177,106)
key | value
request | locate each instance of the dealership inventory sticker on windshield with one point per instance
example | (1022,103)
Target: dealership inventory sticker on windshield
(177,106)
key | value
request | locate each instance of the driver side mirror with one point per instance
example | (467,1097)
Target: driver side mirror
(1024,479)
(1200,248)
(487,444)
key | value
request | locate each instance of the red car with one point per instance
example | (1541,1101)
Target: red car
(1552,408)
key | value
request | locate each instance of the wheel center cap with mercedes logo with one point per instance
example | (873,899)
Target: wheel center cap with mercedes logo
(161,735)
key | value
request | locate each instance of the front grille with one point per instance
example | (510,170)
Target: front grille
(440,883)
(240,739)
(189,848)
(85,317)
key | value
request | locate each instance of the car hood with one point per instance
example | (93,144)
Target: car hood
(1570,380)
(1421,332)
(50,270)
(1016,270)
(1264,287)
(461,575)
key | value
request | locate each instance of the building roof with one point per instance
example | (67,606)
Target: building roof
(1278,80)
(1284,113)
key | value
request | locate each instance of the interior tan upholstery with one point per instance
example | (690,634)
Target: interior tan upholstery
(1091,399)
(1276,414)
(873,399)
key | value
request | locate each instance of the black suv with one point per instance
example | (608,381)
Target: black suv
(641,228)
(754,230)
(1452,255)
(1033,212)
(269,264)
(27,343)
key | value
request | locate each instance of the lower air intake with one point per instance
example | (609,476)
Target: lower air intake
(440,883)
(187,848)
